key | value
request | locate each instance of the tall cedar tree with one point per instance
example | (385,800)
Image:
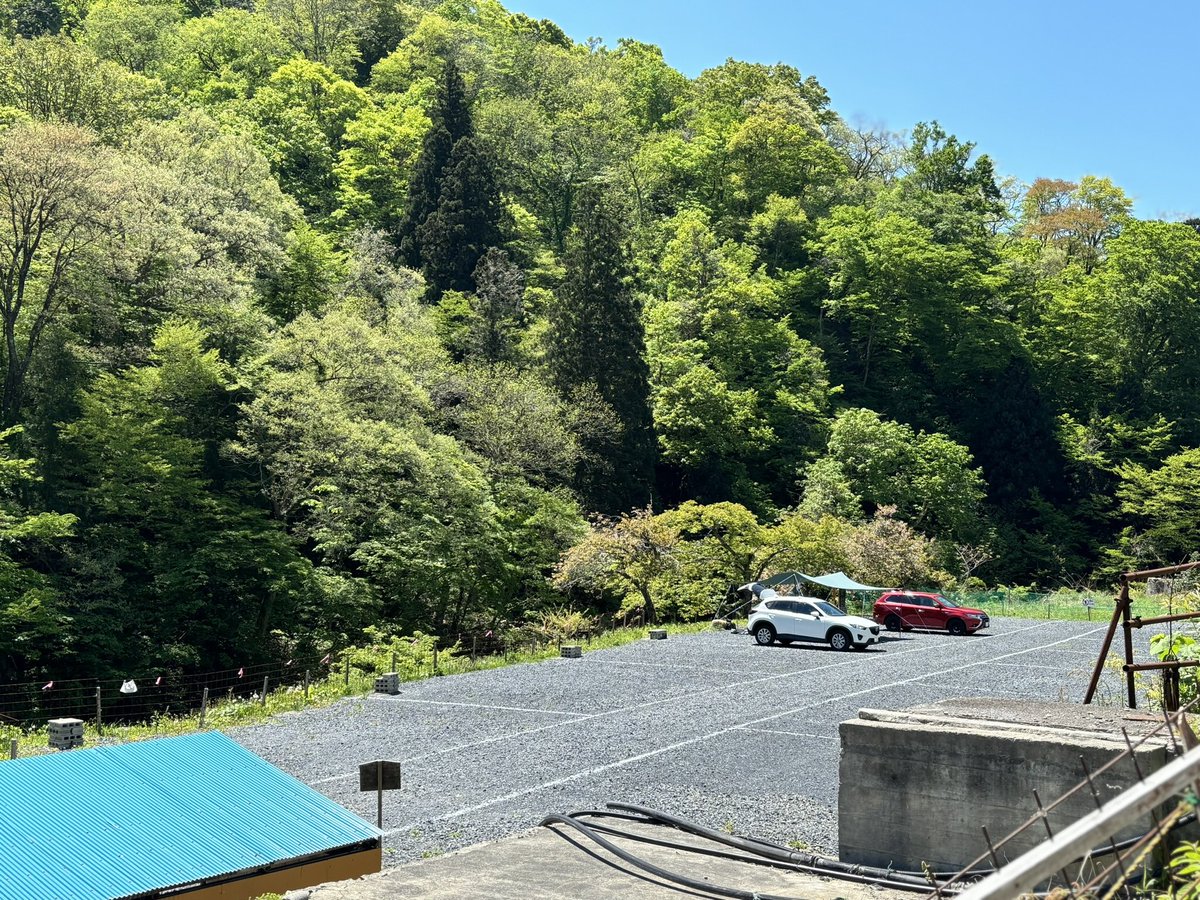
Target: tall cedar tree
(453,211)
(596,338)
(454,237)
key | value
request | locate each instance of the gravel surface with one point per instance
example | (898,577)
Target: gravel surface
(707,726)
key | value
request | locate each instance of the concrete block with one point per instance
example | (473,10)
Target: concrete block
(388,683)
(916,786)
(570,651)
(658,634)
(65,734)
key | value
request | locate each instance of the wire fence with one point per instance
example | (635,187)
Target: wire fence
(155,698)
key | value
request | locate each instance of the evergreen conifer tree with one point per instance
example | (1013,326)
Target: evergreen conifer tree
(453,211)
(596,338)
(454,237)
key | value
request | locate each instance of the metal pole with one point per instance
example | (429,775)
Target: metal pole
(263,701)
(379,792)
(435,671)
(347,670)
(1104,648)
(99,720)
(306,681)
(203,707)
(1129,676)
(474,647)
(393,669)
(14,747)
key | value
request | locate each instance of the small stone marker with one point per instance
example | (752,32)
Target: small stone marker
(388,683)
(66,734)
(571,651)
(658,634)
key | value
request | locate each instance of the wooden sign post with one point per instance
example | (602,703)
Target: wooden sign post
(379,776)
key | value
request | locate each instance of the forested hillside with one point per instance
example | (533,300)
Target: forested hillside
(355,312)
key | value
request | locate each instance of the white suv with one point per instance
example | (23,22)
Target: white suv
(787,619)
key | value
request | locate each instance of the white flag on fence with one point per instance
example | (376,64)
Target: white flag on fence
(128,687)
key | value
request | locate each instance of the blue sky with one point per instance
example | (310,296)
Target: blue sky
(1056,88)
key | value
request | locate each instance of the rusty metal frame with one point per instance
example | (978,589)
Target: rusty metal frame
(1121,616)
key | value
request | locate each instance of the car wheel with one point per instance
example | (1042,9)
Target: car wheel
(893,623)
(956,627)
(840,640)
(764,635)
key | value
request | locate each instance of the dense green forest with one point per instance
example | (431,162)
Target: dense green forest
(342,313)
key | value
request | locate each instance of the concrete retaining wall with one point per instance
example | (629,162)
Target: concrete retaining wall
(916,786)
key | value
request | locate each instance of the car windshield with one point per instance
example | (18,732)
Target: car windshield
(948,603)
(828,608)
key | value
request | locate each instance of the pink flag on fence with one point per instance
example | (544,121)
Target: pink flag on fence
(47,685)
(288,663)
(241,672)
(158,681)
(325,661)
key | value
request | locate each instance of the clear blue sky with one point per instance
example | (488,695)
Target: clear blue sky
(1055,88)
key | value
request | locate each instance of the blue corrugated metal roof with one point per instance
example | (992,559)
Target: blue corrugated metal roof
(119,821)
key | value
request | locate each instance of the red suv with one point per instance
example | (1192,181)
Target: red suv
(906,610)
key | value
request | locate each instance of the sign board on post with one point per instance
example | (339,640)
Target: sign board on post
(379,776)
(1089,603)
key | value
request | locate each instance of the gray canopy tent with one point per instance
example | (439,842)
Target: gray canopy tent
(796,582)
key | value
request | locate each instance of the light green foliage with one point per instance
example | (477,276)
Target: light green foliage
(342,429)
(301,115)
(653,292)
(223,56)
(133,33)
(1185,871)
(1164,505)
(31,615)
(175,569)
(380,146)
(927,478)
(308,279)
(886,552)
(53,79)
(737,394)
(630,556)
(324,31)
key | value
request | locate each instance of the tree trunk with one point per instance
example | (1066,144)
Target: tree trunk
(649,616)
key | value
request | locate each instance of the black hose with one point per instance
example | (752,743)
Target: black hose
(657,871)
(899,878)
(923,887)
(822,864)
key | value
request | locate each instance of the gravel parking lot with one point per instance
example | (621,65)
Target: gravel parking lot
(708,726)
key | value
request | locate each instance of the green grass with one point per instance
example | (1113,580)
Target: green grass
(414,661)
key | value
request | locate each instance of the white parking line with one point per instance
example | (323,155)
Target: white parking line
(546,712)
(1028,666)
(678,745)
(626,662)
(824,737)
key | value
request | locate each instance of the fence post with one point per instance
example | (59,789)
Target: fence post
(306,681)
(435,671)
(203,707)
(393,668)
(263,702)
(347,670)
(99,720)
(474,647)
(13,748)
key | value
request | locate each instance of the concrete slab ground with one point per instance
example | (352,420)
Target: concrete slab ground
(557,863)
